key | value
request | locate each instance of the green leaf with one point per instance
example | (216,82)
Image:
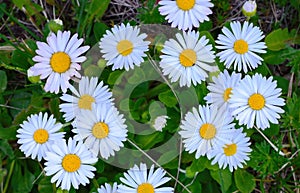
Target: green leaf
(99,29)
(168,98)
(45,184)
(168,156)
(8,133)
(54,107)
(278,39)
(148,141)
(97,9)
(137,77)
(6,149)
(3,81)
(22,179)
(113,77)
(273,58)
(20,59)
(223,177)
(156,109)
(282,83)
(92,70)
(19,3)
(244,181)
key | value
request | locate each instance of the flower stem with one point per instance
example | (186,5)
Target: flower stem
(267,139)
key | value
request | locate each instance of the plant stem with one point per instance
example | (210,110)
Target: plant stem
(267,139)
(9,175)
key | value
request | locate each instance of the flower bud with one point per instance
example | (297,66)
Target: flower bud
(31,78)
(55,25)
(249,8)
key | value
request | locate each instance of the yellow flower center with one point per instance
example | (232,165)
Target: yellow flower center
(125,47)
(100,130)
(145,188)
(60,62)
(41,136)
(230,150)
(185,5)
(226,94)
(240,46)
(86,101)
(256,101)
(207,131)
(71,162)
(188,58)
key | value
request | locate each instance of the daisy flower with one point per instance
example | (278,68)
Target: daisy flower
(220,89)
(185,14)
(37,134)
(204,129)
(234,153)
(89,92)
(256,100)
(107,188)
(124,47)
(58,60)
(240,47)
(70,164)
(137,179)
(187,59)
(102,129)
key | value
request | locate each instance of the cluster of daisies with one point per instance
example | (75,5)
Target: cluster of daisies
(100,130)
(98,127)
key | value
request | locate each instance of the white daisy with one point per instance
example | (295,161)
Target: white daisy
(204,129)
(256,99)
(37,134)
(234,153)
(220,89)
(107,188)
(185,14)
(240,46)
(137,180)
(102,129)
(70,164)
(58,60)
(124,47)
(90,92)
(187,59)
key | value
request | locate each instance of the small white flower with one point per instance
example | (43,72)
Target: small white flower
(240,46)
(37,134)
(123,47)
(138,180)
(160,122)
(102,129)
(89,92)
(234,153)
(185,14)
(204,129)
(107,188)
(70,164)
(256,100)
(220,89)
(59,59)
(187,58)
